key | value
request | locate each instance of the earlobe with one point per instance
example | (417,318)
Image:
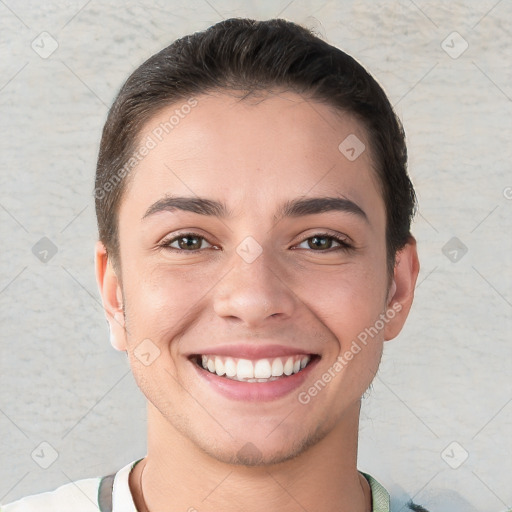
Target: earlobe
(115,341)
(111,296)
(401,292)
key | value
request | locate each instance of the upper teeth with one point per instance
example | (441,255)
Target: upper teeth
(261,370)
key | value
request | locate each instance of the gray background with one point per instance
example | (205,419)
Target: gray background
(445,379)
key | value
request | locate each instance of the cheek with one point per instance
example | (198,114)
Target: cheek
(347,301)
(161,300)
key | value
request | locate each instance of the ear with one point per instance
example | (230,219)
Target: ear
(111,296)
(401,292)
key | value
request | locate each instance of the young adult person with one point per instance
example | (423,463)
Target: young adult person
(254,255)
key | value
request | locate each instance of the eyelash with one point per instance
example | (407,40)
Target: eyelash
(343,244)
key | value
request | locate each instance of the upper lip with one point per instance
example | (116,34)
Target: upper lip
(251,351)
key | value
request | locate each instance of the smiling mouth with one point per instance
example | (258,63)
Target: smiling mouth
(260,370)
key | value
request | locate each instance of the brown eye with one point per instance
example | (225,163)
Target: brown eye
(187,242)
(323,242)
(320,242)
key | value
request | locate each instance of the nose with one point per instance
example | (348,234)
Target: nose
(255,292)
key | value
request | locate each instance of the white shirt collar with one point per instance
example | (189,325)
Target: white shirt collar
(122,499)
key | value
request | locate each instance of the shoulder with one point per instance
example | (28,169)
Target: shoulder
(79,496)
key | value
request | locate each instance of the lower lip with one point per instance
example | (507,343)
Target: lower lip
(255,391)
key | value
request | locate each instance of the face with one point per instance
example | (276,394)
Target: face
(236,310)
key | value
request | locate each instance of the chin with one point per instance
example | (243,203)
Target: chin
(263,449)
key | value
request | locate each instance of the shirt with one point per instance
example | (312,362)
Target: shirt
(112,494)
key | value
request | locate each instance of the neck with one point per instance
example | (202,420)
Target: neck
(178,476)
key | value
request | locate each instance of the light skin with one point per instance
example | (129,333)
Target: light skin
(253,156)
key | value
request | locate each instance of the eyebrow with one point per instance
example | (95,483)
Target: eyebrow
(292,208)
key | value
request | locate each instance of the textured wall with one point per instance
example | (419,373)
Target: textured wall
(446,67)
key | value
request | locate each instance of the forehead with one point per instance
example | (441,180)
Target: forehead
(257,150)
